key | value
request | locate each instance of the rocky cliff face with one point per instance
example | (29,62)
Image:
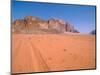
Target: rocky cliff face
(57,24)
(93,32)
(36,25)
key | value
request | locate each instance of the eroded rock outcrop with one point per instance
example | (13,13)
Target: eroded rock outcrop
(93,32)
(36,25)
(57,24)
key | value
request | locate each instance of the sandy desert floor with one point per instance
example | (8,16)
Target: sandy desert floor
(51,52)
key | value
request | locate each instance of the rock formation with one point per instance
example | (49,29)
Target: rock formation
(36,25)
(57,24)
(93,32)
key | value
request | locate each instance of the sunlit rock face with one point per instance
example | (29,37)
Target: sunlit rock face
(57,24)
(36,25)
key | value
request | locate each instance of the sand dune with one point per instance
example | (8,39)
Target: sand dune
(50,52)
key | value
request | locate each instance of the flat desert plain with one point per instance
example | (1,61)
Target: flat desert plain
(52,52)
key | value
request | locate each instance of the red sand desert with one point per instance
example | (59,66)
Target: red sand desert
(52,52)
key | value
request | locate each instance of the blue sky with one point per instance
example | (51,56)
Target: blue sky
(82,17)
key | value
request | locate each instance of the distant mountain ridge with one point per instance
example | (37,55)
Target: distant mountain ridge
(36,25)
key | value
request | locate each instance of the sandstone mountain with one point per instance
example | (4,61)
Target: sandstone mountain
(93,32)
(36,25)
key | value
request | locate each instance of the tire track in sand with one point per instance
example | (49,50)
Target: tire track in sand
(15,53)
(40,58)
